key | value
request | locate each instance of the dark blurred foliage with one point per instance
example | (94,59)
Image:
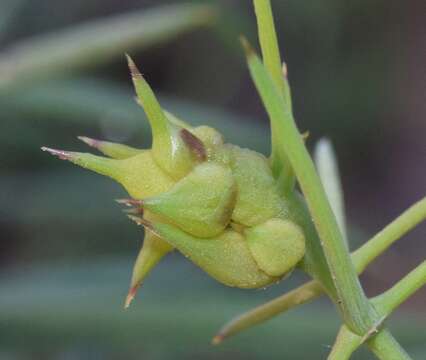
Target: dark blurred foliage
(65,250)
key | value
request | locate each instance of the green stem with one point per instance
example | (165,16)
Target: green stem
(385,238)
(347,342)
(271,57)
(385,347)
(269,44)
(356,310)
(387,302)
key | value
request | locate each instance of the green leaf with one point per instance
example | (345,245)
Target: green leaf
(95,42)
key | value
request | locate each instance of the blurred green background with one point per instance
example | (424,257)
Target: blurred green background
(66,250)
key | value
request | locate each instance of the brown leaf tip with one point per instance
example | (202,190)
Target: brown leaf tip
(130,296)
(130,202)
(247,47)
(133,68)
(141,221)
(89,141)
(217,339)
(194,144)
(61,154)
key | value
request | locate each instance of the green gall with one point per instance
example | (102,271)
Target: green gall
(277,245)
(216,203)
(201,203)
(258,199)
(226,257)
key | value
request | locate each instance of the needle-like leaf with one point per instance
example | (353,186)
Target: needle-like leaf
(97,41)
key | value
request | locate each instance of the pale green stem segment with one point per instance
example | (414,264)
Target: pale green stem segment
(347,342)
(311,290)
(271,57)
(380,242)
(97,41)
(328,171)
(298,296)
(385,347)
(387,302)
(356,310)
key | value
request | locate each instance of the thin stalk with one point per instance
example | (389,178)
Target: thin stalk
(385,347)
(387,302)
(271,57)
(347,342)
(301,295)
(394,231)
(356,310)
(269,45)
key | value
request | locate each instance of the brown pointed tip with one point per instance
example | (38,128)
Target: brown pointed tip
(89,141)
(130,202)
(134,211)
(246,46)
(133,68)
(217,339)
(141,221)
(130,296)
(61,154)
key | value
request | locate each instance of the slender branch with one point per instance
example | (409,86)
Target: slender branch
(387,302)
(346,343)
(311,290)
(356,310)
(301,295)
(385,238)
(385,347)
(271,57)
(269,43)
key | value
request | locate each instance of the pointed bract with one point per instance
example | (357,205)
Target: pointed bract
(152,251)
(168,148)
(111,149)
(201,203)
(99,164)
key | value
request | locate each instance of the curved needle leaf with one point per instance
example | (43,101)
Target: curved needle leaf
(97,41)
(264,312)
